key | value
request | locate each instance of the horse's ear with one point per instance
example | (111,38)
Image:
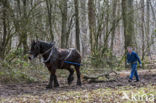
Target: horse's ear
(33,42)
(53,43)
(38,42)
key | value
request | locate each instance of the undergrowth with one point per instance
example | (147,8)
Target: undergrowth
(17,68)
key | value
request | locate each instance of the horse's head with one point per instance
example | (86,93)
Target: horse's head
(34,50)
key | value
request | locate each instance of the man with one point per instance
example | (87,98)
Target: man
(132,59)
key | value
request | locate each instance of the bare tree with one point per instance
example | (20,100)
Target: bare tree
(92,24)
(64,35)
(77,24)
(113,23)
(128,23)
(5,28)
(49,11)
(142,29)
(148,24)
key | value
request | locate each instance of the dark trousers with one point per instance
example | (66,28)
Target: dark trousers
(134,71)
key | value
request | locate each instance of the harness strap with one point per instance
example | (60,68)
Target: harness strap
(72,63)
(69,54)
(44,61)
(69,62)
(46,51)
(64,61)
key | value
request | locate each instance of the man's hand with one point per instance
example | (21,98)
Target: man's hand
(140,65)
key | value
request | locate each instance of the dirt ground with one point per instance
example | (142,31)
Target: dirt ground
(38,88)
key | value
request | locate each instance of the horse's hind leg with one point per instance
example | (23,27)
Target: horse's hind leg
(70,77)
(78,75)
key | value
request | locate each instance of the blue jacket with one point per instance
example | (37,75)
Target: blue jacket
(133,57)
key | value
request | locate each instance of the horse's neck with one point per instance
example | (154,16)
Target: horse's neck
(46,50)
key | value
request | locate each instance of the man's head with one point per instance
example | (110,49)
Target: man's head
(129,48)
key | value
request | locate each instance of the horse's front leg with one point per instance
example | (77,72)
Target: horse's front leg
(52,77)
(56,84)
(50,85)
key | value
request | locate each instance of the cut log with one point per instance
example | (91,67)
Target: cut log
(95,79)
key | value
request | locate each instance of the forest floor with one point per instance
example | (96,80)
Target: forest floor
(106,92)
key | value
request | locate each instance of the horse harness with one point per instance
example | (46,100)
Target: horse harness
(51,53)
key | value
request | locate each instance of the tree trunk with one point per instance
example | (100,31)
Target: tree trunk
(92,24)
(49,9)
(107,26)
(113,24)
(77,25)
(128,22)
(64,39)
(24,32)
(4,21)
(142,29)
(83,27)
(148,26)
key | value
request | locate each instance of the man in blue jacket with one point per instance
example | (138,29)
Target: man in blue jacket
(133,58)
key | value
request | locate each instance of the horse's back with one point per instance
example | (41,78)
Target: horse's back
(70,54)
(70,51)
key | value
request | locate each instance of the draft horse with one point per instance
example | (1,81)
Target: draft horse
(54,58)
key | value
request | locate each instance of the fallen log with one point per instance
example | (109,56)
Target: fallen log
(95,79)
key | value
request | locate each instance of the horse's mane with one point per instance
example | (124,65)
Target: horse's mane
(47,43)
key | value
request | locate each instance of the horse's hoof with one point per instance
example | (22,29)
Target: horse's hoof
(56,85)
(79,83)
(70,80)
(49,87)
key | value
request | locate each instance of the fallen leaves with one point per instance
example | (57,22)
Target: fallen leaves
(100,95)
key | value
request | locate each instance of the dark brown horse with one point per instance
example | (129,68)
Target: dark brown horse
(54,58)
